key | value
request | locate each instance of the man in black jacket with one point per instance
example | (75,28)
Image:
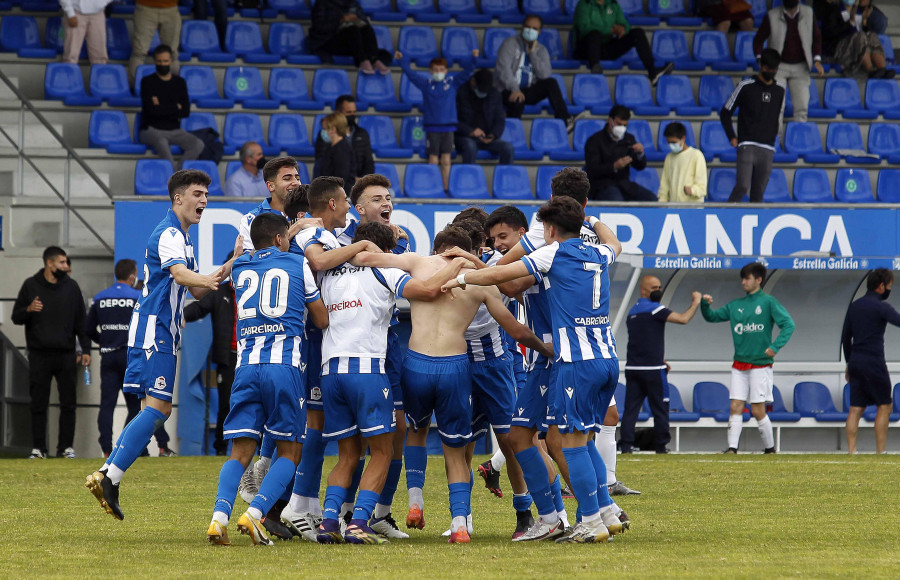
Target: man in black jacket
(339,27)
(482,119)
(359,137)
(609,155)
(51,307)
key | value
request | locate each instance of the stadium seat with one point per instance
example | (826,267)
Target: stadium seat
(584,129)
(196,121)
(714,91)
(417,43)
(378,90)
(383,38)
(663,145)
(758,9)
(203,89)
(545,103)
(244,85)
(286,38)
(552,41)
(412,135)
(231,167)
(634,92)
(410,93)
(210,168)
(711,47)
(666,7)
(812,186)
(514,134)
(389,170)
(468,182)
(288,87)
(415,7)
(721,184)
(847,136)
(548,10)
(804,140)
(714,142)
(592,92)
(288,133)
(545,174)
(244,39)
(199,38)
(384,140)
(641,131)
(675,93)
(63,82)
(777,189)
(511,182)
(423,180)
(677,412)
(743,48)
(887,190)
(462,11)
(888,47)
(502,9)
(883,96)
(329,84)
(304,172)
(884,140)
(457,44)
(779,412)
(842,95)
(816,111)
(379,6)
(493,38)
(671,46)
(869,412)
(151,177)
(853,186)
(647,178)
(109,130)
(118,41)
(813,399)
(110,83)
(243,127)
(20,34)
(550,136)
(143,70)
(896,398)
(54,39)
(711,400)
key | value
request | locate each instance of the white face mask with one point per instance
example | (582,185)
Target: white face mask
(676,147)
(438,77)
(618,132)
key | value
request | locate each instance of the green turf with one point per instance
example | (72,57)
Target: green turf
(700,515)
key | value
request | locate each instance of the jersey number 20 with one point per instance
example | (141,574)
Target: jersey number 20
(250,279)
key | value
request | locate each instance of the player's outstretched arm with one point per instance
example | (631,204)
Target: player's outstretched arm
(518,331)
(605,235)
(378,259)
(456,252)
(719,315)
(685,317)
(430,289)
(318,313)
(197,284)
(225,270)
(299,224)
(489,276)
(321,259)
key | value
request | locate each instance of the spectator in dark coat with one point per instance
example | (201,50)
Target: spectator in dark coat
(338,159)
(482,119)
(339,27)
(358,137)
(609,155)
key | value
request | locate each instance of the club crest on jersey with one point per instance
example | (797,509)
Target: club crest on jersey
(160,384)
(758,310)
(315,394)
(570,391)
(386,392)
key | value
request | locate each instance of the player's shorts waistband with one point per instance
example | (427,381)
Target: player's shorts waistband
(437,359)
(344,365)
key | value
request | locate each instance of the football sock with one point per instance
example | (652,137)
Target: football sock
(365,504)
(306,483)
(458,522)
(415,497)
(535,472)
(459,499)
(603,499)
(735,424)
(383,507)
(416,459)
(606,445)
(765,431)
(556,491)
(522,501)
(498,460)
(334,497)
(583,478)
(268,447)
(229,478)
(134,441)
(116,447)
(273,484)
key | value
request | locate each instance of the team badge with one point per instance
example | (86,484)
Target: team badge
(315,394)
(758,310)
(160,384)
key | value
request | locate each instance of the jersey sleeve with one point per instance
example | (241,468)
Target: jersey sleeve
(172,249)
(605,251)
(661,313)
(310,290)
(534,237)
(313,236)
(244,230)
(541,259)
(394,279)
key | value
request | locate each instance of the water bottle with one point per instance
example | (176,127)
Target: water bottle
(87,376)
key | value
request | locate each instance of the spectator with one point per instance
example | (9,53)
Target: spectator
(726,14)
(220,303)
(761,101)
(603,33)
(791,29)
(847,43)
(871,17)
(248,180)
(151,16)
(85,19)
(51,308)
(863,343)
(339,27)
(609,155)
(337,159)
(164,102)
(684,171)
(439,105)
(359,137)
(220,17)
(522,74)
(482,119)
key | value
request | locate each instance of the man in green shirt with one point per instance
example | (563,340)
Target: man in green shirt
(752,318)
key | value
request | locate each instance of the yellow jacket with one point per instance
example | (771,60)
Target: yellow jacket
(687,168)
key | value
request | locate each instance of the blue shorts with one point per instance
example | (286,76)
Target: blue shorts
(443,386)
(552,402)
(150,373)
(493,394)
(583,392)
(312,356)
(531,404)
(266,397)
(393,366)
(357,403)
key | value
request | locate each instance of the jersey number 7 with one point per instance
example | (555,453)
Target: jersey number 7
(597,269)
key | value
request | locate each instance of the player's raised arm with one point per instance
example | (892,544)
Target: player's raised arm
(518,331)
(321,259)
(605,235)
(378,259)
(489,276)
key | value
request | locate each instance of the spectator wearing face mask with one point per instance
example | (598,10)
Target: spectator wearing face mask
(684,171)
(847,40)
(248,180)
(609,155)
(359,138)
(482,120)
(337,159)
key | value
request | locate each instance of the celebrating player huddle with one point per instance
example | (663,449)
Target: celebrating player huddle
(318,361)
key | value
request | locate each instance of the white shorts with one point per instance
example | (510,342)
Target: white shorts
(753,386)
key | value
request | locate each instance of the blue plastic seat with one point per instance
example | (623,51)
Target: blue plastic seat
(415,6)
(634,92)
(813,399)
(243,127)
(642,133)
(151,177)
(511,182)
(883,96)
(244,85)
(548,10)
(870,412)
(329,84)
(412,134)
(288,6)
(671,45)
(884,140)
(231,167)
(804,140)
(714,91)
(777,189)
(118,41)
(203,89)
(467,181)
(199,38)
(210,168)
(887,190)
(888,47)
(286,38)
(243,38)
(847,136)
(288,86)
(196,121)
(677,411)
(663,145)
(853,186)
(378,90)
(389,170)
(812,186)
(457,44)
(143,70)
(423,180)
(384,140)
(110,83)
(545,174)
(109,130)
(584,130)
(463,11)
(544,104)
(503,9)
(514,134)
(552,41)
(842,95)
(288,133)
(549,135)
(383,38)
(711,400)
(714,142)
(410,93)
(54,39)
(63,82)
(592,92)
(675,93)
(20,34)
(743,48)
(418,44)
(779,412)
(647,178)
(721,183)
(493,38)
(380,6)
(711,47)
(666,7)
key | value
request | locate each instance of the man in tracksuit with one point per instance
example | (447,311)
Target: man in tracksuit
(751,319)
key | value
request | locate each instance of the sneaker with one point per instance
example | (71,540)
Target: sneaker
(304,524)
(570,122)
(166,452)
(260,469)
(491,477)
(469,528)
(329,532)
(769,450)
(618,488)
(460,536)
(68,453)
(277,529)
(37,454)
(344,521)
(730,450)
(524,521)
(365,67)
(613,523)
(106,493)
(217,534)
(247,488)
(254,528)
(567,493)
(360,533)
(415,518)
(626,521)
(387,527)
(663,451)
(666,69)
(585,533)
(542,531)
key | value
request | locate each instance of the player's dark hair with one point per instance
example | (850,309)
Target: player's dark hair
(620,112)
(473,212)
(675,130)
(339,102)
(51,252)
(879,276)
(506,214)
(371,180)
(377,233)
(265,227)
(322,190)
(184,178)
(296,202)
(125,268)
(770,58)
(273,166)
(563,212)
(754,269)
(571,182)
(452,236)
(161,49)
(474,229)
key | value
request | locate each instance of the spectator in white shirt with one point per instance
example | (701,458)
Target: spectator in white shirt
(85,19)
(248,180)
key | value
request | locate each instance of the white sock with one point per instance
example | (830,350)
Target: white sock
(314,506)
(550,518)
(346,507)
(469,527)
(590,518)
(254,513)
(297,504)
(381,510)
(498,460)
(735,424)
(221,518)
(564,517)
(458,522)
(114,474)
(606,445)
(765,431)
(615,508)
(415,497)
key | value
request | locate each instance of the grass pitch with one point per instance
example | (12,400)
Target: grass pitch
(699,515)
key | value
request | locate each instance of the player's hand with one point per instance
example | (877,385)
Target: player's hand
(73,22)
(547,351)
(696,297)
(304,223)
(638,148)
(399,233)
(770,353)
(36,305)
(450,285)
(85,360)
(734,142)
(819,68)
(708,298)
(457,252)
(238,247)
(517,97)
(368,246)
(212,280)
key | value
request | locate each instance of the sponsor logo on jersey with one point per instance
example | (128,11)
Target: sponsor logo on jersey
(521,410)
(116,302)
(592,321)
(345,305)
(386,392)
(262,329)
(543,390)
(570,391)
(113,327)
(302,402)
(315,394)
(749,327)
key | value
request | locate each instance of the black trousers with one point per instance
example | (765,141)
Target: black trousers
(359,42)
(592,47)
(43,367)
(624,191)
(538,91)
(224,382)
(653,385)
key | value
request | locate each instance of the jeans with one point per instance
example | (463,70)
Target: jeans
(539,90)
(625,191)
(161,142)
(468,149)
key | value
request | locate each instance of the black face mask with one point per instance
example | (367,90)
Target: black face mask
(790,4)
(767,76)
(351,121)
(60,275)
(886,293)
(162,69)
(656,296)
(261,162)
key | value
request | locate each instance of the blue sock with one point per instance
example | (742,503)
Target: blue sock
(603,499)
(288,489)
(460,498)
(229,479)
(416,460)
(522,502)
(268,447)
(390,482)
(556,492)
(578,514)
(365,505)
(274,484)
(137,436)
(115,449)
(306,484)
(471,480)
(583,478)
(354,482)
(535,472)
(334,498)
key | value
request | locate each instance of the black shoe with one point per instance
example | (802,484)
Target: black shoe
(166,452)
(769,450)
(666,69)
(347,517)
(491,477)
(221,453)
(524,521)
(111,496)
(145,453)
(731,450)
(889,73)
(662,451)
(277,529)
(570,122)
(626,450)
(567,493)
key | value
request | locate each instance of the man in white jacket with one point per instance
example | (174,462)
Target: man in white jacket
(85,18)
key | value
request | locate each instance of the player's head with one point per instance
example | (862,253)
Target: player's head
(56,261)
(475,229)
(327,199)
(377,233)
(473,212)
(571,182)
(296,204)
(281,175)
(880,280)
(188,190)
(562,218)
(371,196)
(505,226)
(126,270)
(752,276)
(270,229)
(649,285)
(452,236)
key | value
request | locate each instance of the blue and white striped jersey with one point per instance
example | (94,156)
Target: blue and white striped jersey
(345,235)
(156,321)
(272,289)
(578,297)
(485,340)
(247,219)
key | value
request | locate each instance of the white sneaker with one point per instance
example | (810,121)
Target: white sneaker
(69,453)
(612,522)
(542,531)
(37,454)
(303,524)
(387,527)
(585,533)
(246,489)
(468,527)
